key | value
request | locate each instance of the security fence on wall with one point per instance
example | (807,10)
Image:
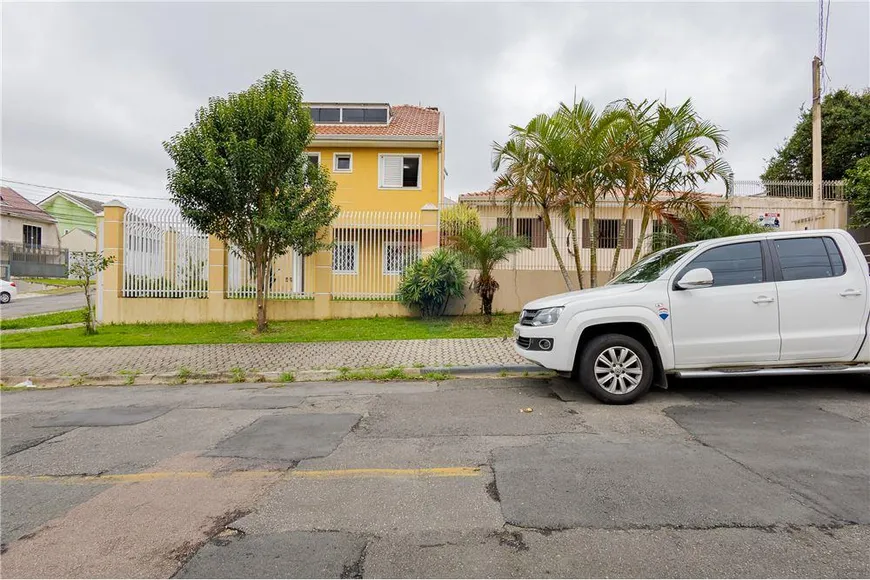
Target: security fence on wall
(371,250)
(285,277)
(831,190)
(164,256)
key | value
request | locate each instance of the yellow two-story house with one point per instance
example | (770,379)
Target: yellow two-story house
(388,162)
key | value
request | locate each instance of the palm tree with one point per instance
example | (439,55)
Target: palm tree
(482,251)
(594,153)
(528,178)
(677,150)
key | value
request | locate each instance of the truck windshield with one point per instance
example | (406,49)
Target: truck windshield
(651,267)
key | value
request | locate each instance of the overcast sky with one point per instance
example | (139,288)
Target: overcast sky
(90,91)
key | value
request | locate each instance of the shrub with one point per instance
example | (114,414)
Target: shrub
(457,218)
(429,284)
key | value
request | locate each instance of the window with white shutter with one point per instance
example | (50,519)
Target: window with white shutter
(399,171)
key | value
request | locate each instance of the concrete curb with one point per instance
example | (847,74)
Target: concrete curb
(4,332)
(138,379)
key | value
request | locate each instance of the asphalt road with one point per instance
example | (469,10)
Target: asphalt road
(465,478)
(42,305)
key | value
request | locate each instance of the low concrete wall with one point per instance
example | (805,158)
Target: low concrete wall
(518,287)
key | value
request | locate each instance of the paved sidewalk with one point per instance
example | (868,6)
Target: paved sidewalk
(259,357)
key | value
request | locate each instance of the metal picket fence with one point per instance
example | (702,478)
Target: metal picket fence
(285,279)
(164,256)
(831,190)
(371,250)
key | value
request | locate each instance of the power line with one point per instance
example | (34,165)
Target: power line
(109,195)
(826,78)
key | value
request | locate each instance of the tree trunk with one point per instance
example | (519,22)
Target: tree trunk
(578,263)
(644,222)
(621,238)
(593,247)
(545,215)
(260,265)
(89,315)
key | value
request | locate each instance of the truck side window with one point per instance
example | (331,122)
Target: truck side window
(731,265)
(809,258)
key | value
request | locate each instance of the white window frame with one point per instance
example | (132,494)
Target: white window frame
(311,154)
(355,245)
(335,168)
(381,185)
(384,269)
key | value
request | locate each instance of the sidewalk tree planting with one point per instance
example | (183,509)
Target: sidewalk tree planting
(85,267)
(429,284)
(483,250)
(241,174)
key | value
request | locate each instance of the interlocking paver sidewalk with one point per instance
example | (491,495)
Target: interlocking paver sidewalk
(259,357)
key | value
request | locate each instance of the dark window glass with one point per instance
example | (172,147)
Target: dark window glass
(352,115)
(533,230)
(731,265)
(651,267)
(314,159)
(808,258)
(32,236)
(342,162)
(325,115)
(411,172)
(837,265)
(375,115)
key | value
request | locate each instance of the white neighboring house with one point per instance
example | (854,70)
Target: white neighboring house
(79,240)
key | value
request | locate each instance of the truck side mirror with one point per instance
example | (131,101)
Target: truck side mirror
(696,278)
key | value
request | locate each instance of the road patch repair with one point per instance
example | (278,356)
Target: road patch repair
(515,477)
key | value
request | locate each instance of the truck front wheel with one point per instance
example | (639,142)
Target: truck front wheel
(615,368)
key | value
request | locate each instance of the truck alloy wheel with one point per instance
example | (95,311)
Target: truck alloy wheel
(615,368)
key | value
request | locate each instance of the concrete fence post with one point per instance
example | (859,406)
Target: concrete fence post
(323,277)
(111,242)
(217,276)
(429,241)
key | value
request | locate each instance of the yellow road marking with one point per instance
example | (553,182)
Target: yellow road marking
(382,472)
(292,474)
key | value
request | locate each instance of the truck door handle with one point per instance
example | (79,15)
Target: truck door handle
(763,300)
(850,292)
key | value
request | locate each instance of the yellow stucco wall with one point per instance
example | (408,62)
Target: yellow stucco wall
(358,190)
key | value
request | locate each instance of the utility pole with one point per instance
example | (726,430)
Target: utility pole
(817,130)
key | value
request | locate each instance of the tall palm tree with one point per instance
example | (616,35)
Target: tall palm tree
(677,151)
(482,251)
(527,177)
(594,153)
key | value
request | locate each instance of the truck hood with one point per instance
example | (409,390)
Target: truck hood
(579,296)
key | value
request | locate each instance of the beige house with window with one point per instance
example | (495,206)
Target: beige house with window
(535,272)
(24,223)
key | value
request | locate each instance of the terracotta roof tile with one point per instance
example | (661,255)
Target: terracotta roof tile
(405,121)
(13,203)
(489,195)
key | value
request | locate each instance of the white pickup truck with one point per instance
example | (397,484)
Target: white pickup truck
(777,303)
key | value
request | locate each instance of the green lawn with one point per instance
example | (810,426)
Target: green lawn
(243,332)
(38,320)
(54,281)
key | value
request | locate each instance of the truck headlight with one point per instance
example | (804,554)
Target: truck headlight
(547,316)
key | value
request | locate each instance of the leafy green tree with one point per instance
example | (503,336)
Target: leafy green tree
(241,174)
(484,250)
(697,226)
(85,266)
(858,193)
(458,217)
(845,139)
(430,283)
